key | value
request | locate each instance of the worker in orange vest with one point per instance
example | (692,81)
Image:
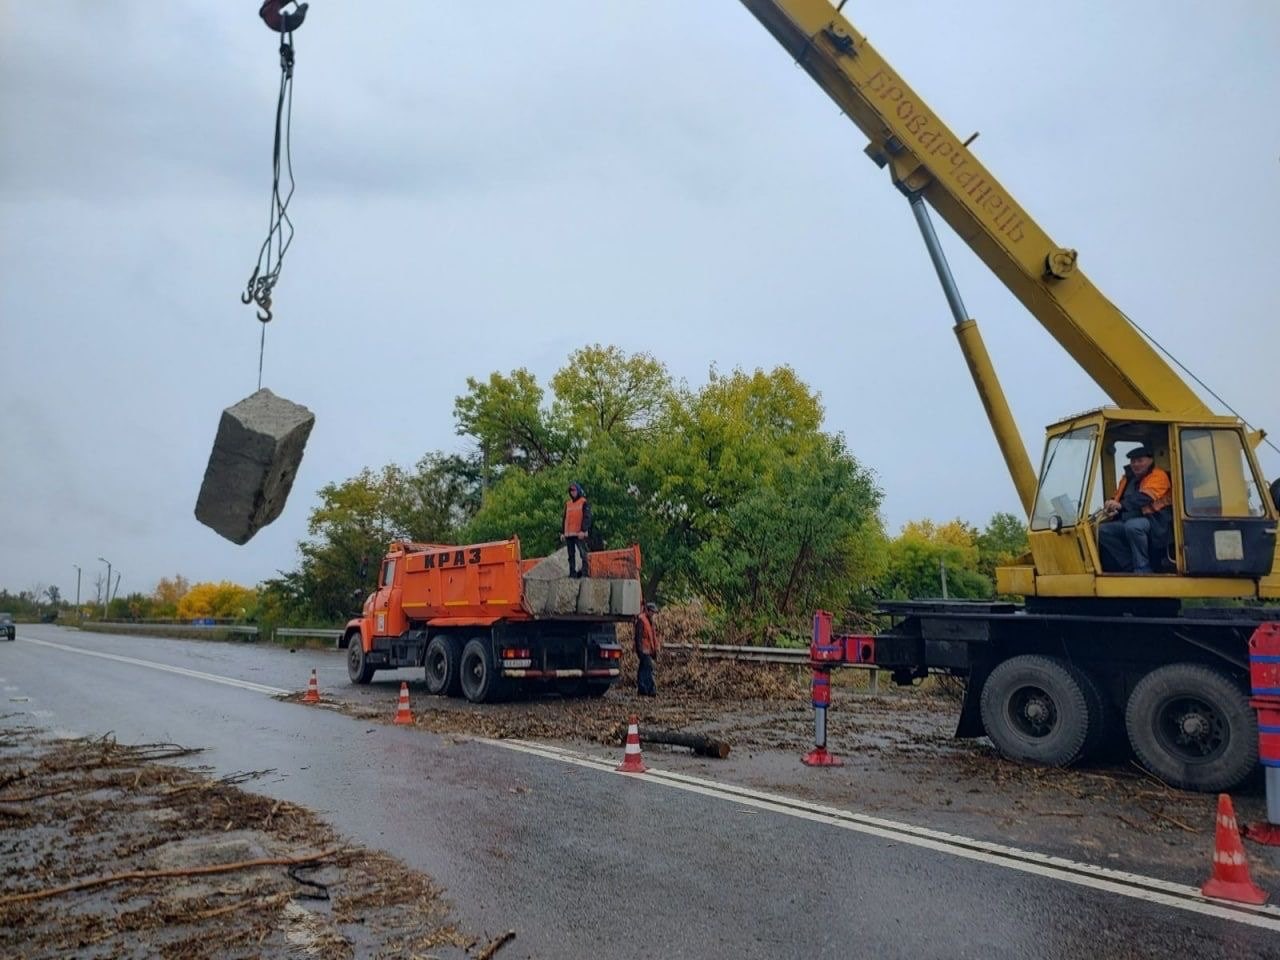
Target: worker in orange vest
(577,526)
(647,647)
(1139,516)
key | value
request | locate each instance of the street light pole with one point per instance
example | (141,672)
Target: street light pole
(107,598)
(77,566)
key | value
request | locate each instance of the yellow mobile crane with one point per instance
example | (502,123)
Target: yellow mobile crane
(1048,678)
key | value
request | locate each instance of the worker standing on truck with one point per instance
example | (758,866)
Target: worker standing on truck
(647,647)
(1139,516)
(577,525)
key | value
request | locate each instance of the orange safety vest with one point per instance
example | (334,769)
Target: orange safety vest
(1156,485)
(646,637)
(573,515)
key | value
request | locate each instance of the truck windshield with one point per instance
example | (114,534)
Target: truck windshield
(1064,478)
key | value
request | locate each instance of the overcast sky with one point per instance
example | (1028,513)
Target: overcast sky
(487,186)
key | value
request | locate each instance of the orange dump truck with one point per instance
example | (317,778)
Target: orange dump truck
(483,621)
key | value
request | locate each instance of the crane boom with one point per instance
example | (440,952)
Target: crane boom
(927,159)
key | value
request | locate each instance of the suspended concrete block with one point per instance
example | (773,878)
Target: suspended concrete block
(255,458)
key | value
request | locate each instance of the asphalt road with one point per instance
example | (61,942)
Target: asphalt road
(582,862)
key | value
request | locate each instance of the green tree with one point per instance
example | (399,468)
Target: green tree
(1002,541)
(795,542)
(919,555)
(505,416)
(602,390)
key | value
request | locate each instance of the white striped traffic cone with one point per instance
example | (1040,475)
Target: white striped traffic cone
(632,761)
(402,710)
(1230,878)
(313,689)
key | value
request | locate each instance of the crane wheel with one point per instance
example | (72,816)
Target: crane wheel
(1035,709)
(443,661)
(1192,726)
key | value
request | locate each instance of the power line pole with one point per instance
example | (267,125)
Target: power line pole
(77,566)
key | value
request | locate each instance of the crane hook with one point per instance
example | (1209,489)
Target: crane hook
(273,15)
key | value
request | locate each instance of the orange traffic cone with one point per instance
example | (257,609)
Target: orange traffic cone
(402,711)
(632,761)
(1230,879)
(313,689)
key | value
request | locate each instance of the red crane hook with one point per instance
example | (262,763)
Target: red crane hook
(273,15)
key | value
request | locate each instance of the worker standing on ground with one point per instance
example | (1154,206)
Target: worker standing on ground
(647,647)
(577,526)
(1139,516)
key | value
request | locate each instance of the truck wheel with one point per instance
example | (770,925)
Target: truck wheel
(358,669)
(478,672)
(1192,726)
(1033,709)
(442,663)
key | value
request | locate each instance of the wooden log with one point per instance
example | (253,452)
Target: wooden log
(702,746)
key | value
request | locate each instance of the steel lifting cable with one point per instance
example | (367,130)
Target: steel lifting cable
(266,273)
(1185,369)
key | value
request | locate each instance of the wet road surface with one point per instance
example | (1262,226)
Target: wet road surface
(582,862)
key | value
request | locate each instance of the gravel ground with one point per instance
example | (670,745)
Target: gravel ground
(113,850)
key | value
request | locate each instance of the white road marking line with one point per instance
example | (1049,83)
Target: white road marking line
(167,668)
(1136,886)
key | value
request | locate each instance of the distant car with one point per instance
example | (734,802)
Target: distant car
(7,630)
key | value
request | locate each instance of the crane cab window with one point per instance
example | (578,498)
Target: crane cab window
(1217,480)
(1064,479)
(388,572)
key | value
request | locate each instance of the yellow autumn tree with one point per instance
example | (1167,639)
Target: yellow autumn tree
(222,600)
(167,594)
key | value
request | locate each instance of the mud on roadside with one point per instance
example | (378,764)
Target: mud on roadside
(241,875)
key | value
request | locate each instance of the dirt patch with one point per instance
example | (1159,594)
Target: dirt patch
(110,851)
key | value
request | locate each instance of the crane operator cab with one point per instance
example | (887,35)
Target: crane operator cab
(1120,486)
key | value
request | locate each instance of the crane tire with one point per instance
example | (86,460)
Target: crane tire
(1034,709)
(1191,725)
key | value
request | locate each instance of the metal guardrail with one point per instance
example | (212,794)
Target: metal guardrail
(324,633)
(162,628)
(719,651)
(798,657)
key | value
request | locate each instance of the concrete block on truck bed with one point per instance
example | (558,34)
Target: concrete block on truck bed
(563,597)
(593,596)
(554,567)
(624,598)
(255,457)
(537,593)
